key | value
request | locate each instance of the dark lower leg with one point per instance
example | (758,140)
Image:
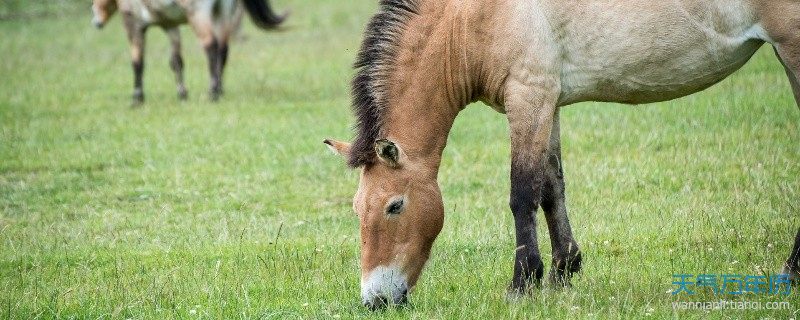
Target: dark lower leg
(138,70)
(566,254)
(223,58)
(525,196)
(528,266)
(223,49)
(176,63)
(214,68)
(136,40)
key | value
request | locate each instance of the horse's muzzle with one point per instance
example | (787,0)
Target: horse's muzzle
(97,23)
(382,286)
(380,301)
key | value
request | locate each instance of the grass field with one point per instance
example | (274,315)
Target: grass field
(237,210)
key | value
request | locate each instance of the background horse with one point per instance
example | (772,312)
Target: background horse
(214,22)
(422,61)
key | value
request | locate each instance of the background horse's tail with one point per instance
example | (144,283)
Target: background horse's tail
(262,15)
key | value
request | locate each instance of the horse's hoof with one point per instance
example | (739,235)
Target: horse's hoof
(513,295)
(214,95)
(137,99)
(557,280)
(136,103)
(182,95)
(519,288)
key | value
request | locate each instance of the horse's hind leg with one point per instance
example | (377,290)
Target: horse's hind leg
(136,39)
(204,28)
(227,24)
(566,254)
(792,266)
(781,27)
(792,72)
(176,60)
(789,55)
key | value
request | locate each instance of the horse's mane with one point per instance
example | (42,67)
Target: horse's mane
(373,66)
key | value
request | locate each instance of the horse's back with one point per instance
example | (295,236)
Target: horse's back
(640,51)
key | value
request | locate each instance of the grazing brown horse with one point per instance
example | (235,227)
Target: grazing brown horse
(422,61)
(214,22)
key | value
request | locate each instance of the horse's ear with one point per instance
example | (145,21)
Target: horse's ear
(338,147)
(389,152)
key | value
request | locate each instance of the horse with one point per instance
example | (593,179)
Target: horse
(422,61)
(213,21)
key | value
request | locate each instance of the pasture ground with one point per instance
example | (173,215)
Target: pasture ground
(237,210)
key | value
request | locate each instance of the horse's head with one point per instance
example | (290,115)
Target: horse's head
(400,210)
(102,10)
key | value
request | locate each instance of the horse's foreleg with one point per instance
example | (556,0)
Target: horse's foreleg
(566,254)
(176,60)
(136,39)
(530,109)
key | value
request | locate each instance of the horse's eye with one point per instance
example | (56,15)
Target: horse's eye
(395,207)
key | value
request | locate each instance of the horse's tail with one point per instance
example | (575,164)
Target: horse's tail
(262,15)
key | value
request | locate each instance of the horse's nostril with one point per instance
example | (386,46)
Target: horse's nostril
(377,303)
(403,298)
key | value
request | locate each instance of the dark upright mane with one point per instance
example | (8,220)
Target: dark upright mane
(373,67)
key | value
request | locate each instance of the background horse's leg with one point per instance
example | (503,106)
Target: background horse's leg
(223,57)
(203,26)
(566,255)
(176,61)
(215,69)
(136,32)
(222,60)
(530,109)
(227,24)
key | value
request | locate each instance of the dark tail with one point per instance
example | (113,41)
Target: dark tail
(262,15)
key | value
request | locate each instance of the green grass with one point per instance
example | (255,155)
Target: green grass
(237,210)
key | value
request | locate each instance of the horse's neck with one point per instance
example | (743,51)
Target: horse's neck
(421,120)
(429,86)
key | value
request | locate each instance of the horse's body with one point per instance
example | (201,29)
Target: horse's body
(423,61)
(214,22)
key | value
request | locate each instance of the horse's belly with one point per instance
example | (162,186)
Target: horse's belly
(166,13)
(667,50)
(670,78)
